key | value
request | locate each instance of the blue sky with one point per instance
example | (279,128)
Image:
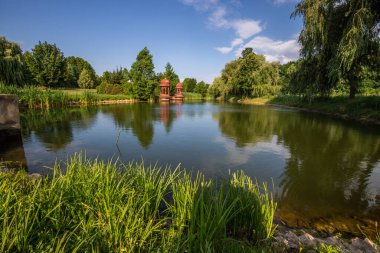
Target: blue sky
(198,37)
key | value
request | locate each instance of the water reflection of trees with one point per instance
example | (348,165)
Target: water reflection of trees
(249,125)
(140,118)
(54,128)
(329,165)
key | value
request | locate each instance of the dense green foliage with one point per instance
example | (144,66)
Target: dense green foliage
(32,97)
(248,76)
(189,84)
(340,54)
(12,68)
(340,46)
(46,64)
(85,80)
(74,67)
(142,76)
(118,76)
(93,206)
(201,88)
(115,82)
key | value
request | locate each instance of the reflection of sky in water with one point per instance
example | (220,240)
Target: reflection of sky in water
(307,154)
(374,183)
(263,160)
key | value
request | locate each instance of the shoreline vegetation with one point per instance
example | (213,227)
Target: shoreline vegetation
(363,109)
(92,205)
(89,205)
(33,97)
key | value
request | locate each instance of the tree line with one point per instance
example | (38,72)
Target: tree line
(340,54)
(46,65)
(248,76)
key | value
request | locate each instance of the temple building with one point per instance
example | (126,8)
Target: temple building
(179,92)
(165,91)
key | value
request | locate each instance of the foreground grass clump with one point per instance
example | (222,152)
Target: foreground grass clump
(94,206)
(33,97)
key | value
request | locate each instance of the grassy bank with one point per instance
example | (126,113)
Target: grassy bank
(195,96)
(361,108)
(112,207)
(32,97)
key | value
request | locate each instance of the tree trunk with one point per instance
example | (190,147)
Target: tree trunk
(352,91)
(353,81)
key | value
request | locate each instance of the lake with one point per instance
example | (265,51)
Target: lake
(325,172)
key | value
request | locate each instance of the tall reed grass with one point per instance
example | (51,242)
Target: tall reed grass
(32,97)
(96,206)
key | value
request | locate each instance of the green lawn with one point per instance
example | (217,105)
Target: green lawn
(361,108)
(78,91)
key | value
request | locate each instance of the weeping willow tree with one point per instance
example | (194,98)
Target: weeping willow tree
(340,40)
(11,63)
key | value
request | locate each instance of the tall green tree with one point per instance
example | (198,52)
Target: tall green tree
(85,80)
(229,75)
(46,64)
(189,84)
(247,73)
(287,71)
(11,63)
(217,88)
(142,75)
(117,76)
(341,39)
(201,88)
(74,67)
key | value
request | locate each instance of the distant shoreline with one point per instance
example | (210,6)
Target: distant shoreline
(315,108)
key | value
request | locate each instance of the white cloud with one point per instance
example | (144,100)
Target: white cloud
(246,28)
(217,17)
(280,2)
(274,50)
(237,42)
(224,50)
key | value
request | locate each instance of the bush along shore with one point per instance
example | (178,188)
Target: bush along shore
(97,206)
(365,109)
(31,97)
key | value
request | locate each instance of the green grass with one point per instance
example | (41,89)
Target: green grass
(363,108)
(195,96)
(96,206)
(33,97)
(321,248)
(78,91)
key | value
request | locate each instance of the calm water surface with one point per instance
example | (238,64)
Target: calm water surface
(325,172)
